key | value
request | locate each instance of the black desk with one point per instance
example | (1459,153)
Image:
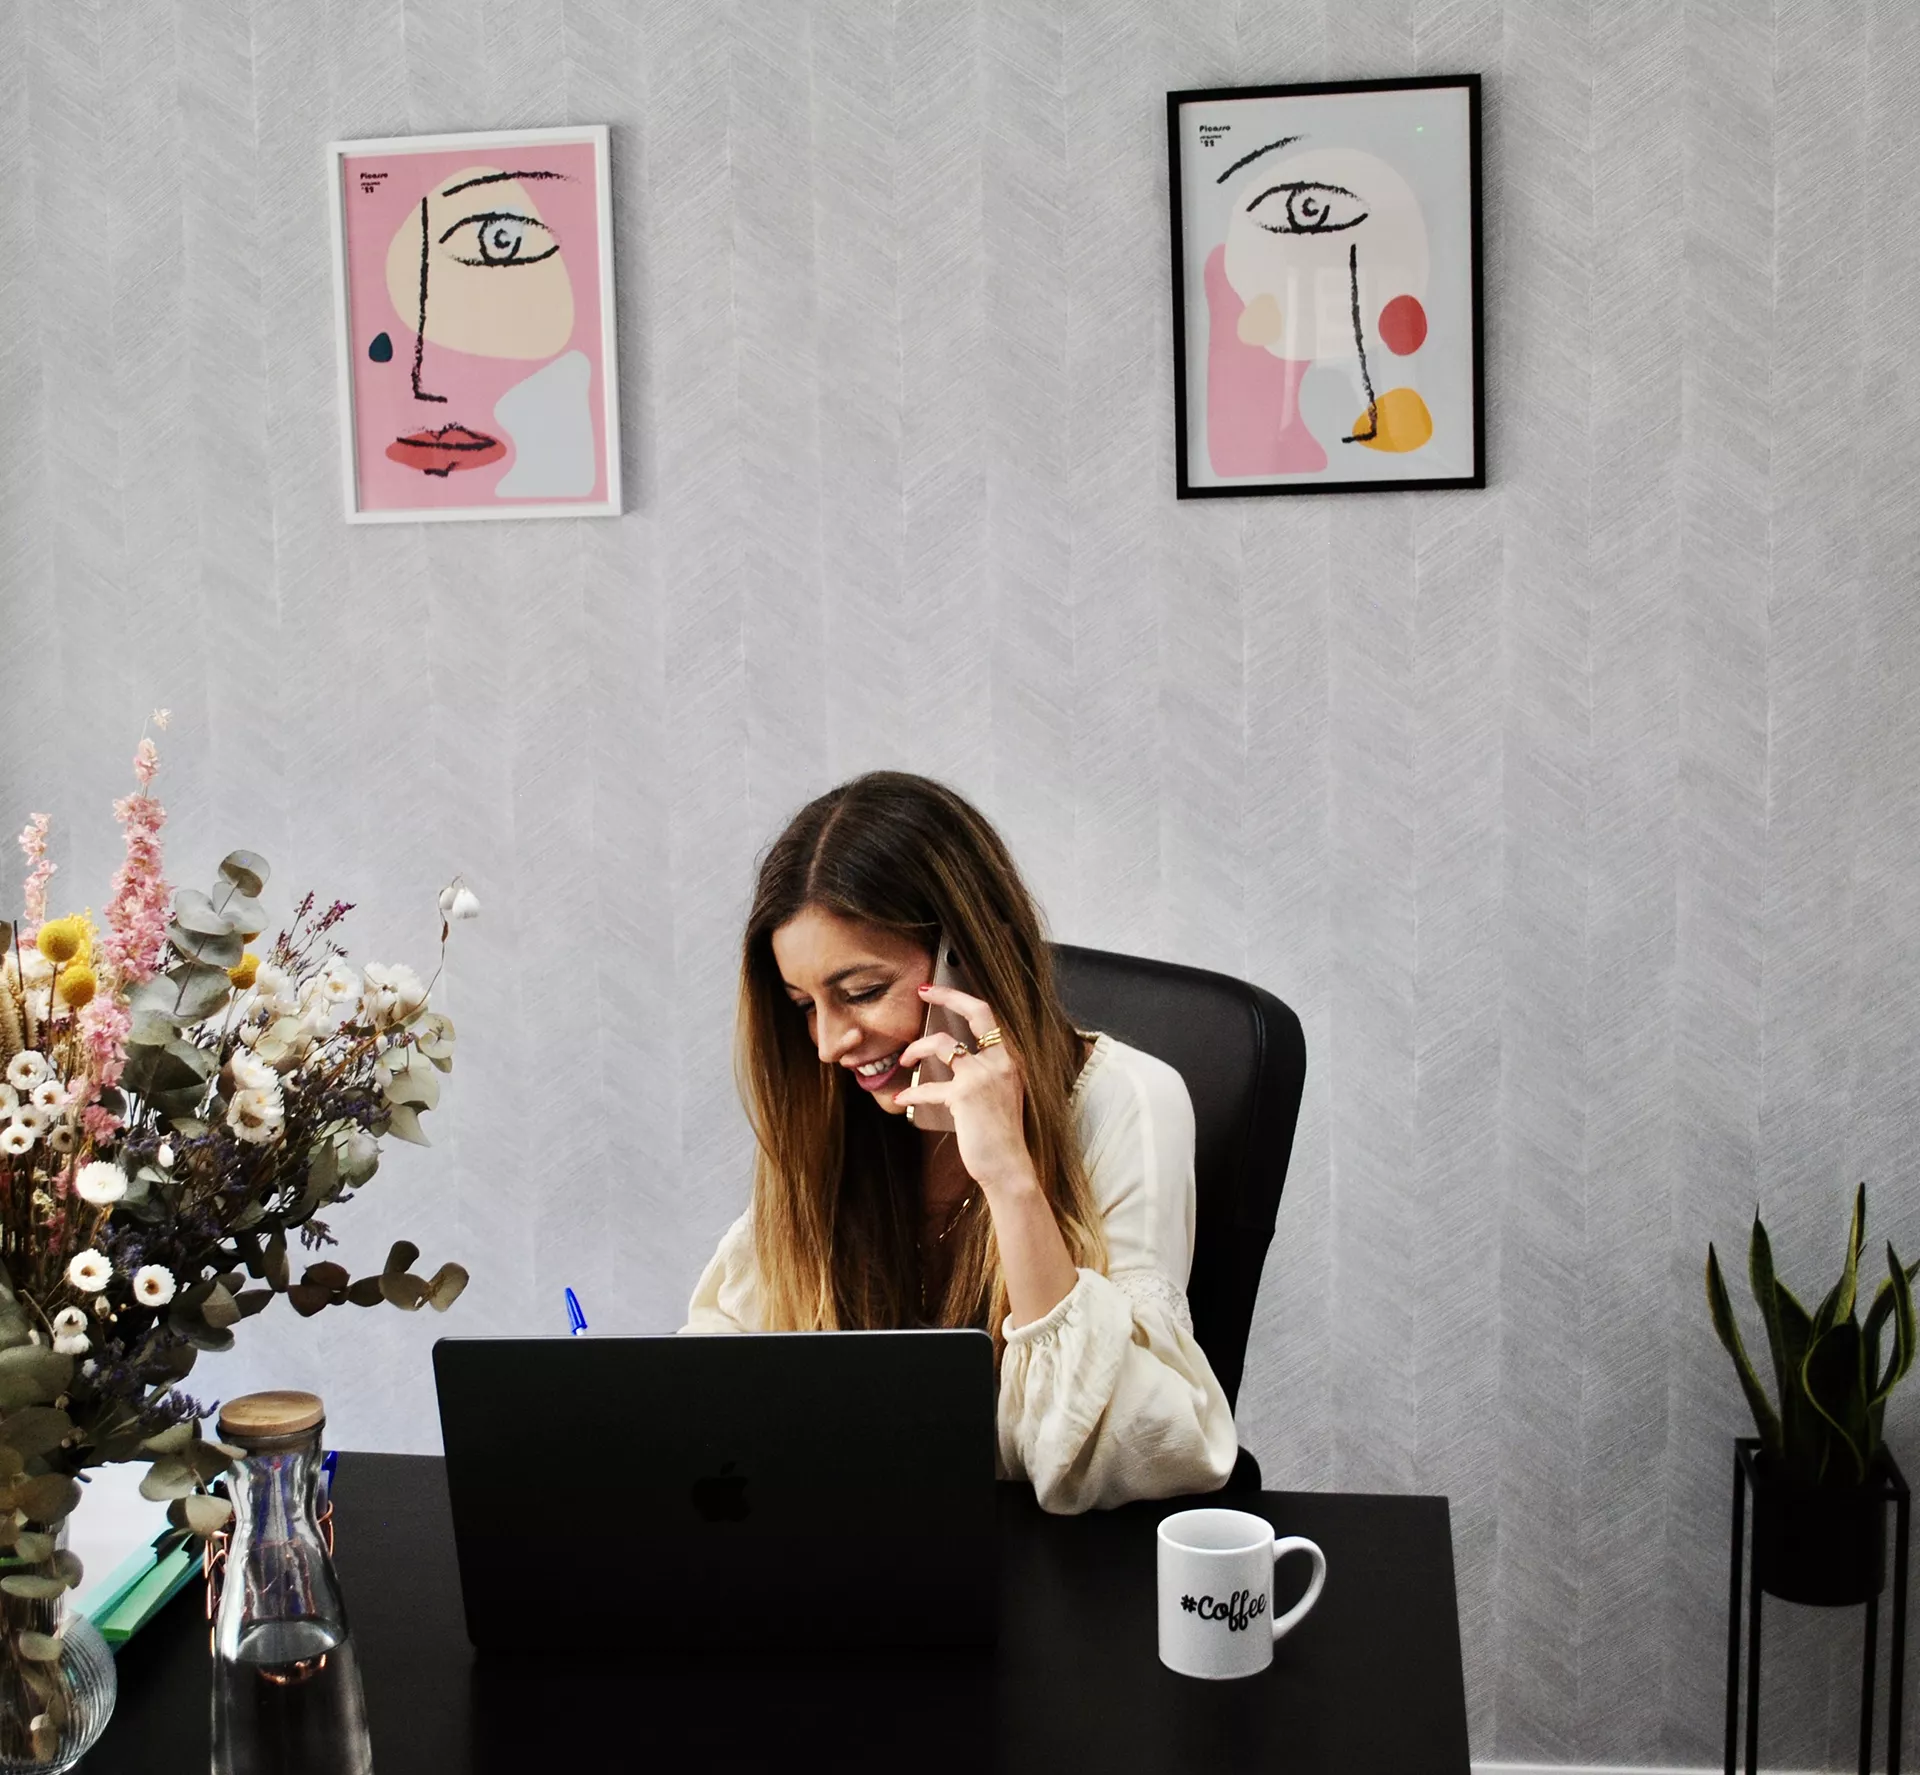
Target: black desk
(1370,1681)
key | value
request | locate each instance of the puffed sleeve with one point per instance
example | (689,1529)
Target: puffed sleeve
(727,1296)
(1108,1397)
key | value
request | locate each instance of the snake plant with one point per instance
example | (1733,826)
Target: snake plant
(1828,1371)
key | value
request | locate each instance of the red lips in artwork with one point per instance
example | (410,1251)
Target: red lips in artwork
(441,452)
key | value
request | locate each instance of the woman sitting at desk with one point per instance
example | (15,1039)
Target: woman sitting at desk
(1058,1213)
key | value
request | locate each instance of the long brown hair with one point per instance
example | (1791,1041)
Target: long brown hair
(836,1204)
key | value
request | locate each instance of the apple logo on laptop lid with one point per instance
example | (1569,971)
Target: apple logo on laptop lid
(722,1496)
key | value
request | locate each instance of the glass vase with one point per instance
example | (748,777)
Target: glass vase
(57,1680)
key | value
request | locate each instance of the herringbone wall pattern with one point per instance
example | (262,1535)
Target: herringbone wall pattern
(1577,818)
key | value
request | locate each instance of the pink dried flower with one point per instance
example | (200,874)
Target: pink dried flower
(105,1025)
(100,1123)
(136,916)
(33,846)
(146,762)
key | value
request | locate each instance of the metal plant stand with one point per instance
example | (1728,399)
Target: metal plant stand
(1894,1488)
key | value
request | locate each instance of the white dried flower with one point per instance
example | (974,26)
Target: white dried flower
(256,1117)
(251,1073)
(100,1184)
(394,994)
(457,902)
(27,1068)
(48,1094)
(153,1285)
(76,1345)
(338,984)
(32,1118)
(165,1155)
(89,1272)
(9,1099)
(31,969)
(68,1321)
(16,1139)
(62,1139)
(274,989)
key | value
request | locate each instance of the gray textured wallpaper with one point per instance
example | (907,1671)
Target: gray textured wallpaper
(1577,818)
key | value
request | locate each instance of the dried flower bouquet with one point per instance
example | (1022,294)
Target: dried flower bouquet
(175,1106)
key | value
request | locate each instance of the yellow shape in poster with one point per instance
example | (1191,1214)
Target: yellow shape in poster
(1401,422)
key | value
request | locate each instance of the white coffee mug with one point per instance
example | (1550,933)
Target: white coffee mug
(1216,1591)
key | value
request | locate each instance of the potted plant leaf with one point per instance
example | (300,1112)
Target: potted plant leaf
(1819,1496)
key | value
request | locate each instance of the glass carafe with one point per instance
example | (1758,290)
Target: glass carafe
(286,1688)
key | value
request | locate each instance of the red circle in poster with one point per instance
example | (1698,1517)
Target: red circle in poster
(1403,325)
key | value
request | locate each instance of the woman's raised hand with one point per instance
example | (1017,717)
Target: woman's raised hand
(985,1096)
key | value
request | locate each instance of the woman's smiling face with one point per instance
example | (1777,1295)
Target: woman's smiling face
(858,987)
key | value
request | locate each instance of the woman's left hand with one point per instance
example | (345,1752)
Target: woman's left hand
(985,1095)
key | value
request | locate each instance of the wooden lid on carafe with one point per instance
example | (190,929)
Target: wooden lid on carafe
(256,1418)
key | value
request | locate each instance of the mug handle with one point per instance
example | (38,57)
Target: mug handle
(1298,1613)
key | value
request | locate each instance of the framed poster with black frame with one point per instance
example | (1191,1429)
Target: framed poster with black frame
(1326,287)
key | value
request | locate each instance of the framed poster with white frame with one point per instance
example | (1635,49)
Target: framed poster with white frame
(473,307)
(1326,287)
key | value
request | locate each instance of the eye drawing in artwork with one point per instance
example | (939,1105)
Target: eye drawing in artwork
(1315,298)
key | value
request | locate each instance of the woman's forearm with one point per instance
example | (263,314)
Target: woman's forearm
(1033,1256)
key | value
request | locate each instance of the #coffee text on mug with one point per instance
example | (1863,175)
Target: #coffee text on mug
(1240,1608)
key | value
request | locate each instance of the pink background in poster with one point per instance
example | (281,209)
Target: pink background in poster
(383,403)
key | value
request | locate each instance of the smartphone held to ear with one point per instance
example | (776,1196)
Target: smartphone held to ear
(936,1117)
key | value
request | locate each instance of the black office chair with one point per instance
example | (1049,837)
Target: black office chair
(1244,1059)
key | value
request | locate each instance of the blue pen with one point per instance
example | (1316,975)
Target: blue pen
(576,1320)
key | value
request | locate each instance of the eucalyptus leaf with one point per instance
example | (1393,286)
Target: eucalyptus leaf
(417,1085)
(403,1123)
(251,1300)
(247,871)
(248,915)
(306,1300)
(402,1257)
(32,1374)
(42,1648)
(32,1586)
(207,1337)
(274,1261)
(209,1460)
(171,1476)
(34,1546)
(155,1003)
(200,1513)
(67,1563)
(330,1276)
(49,1497)
(202,991)
(35,1430)
(449,1280)
(408,1293)
(174,1439)
(197,912)
(215,950)
(219,1311)
(12,1463)
(190,1126)
(366,1292)
(156,1072)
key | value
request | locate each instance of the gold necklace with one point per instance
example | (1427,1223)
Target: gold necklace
(940,1238)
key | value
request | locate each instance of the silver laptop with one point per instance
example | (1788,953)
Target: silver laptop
(818,1489)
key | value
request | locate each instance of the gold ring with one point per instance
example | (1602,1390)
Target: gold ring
(960,1051)
(990,1039)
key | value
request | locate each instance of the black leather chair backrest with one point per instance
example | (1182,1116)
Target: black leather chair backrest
(1244,1059)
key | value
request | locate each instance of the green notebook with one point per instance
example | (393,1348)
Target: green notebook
(139,1587)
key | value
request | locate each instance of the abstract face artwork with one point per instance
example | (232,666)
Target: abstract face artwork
(1326,292)
(478,354)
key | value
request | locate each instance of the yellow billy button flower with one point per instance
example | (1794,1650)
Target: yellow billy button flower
(61,939)
(77,985)
(245,971)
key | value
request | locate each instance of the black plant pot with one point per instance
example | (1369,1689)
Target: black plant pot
(1819,1544)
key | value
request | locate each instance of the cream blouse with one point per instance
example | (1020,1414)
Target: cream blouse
(1108,1397)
